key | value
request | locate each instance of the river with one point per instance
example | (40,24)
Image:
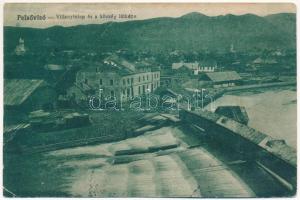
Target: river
(271,111)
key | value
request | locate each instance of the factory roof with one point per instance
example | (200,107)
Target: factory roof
(223,76)
(120,66)
(16,91)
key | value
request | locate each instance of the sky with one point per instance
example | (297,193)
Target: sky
(138,11)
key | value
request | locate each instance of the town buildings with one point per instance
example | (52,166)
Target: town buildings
(116,77)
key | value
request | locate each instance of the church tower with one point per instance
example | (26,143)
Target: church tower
(20,48)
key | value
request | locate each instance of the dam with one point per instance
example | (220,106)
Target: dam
(272,111)
(196,154)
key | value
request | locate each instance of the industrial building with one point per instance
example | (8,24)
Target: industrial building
(220,79)
(22,96)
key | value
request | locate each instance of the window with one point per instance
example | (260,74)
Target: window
(124,82)
(143,78)
(128,92)
(85,81)
(139,90)
(128,81)
(100,81)
(112,93)
(111,82)
(131,80)
(139,79)
(147,77)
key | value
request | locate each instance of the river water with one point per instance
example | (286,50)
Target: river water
(271,111)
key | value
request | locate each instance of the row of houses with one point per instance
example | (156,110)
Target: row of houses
(196,67)
(204,80)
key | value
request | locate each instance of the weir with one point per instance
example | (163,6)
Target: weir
(167,157)
(276,157)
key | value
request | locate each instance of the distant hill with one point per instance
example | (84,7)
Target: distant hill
(284,21)
(193,31)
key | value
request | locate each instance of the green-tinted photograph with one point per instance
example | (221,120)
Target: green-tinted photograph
(194,100)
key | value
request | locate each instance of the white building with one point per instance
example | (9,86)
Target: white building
(204,69)
(118,78)
(196,67)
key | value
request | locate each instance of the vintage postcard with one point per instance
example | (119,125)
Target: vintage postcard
(149,100)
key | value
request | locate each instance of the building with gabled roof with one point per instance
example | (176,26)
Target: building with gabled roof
(117,77)
(196,67)
(192,66)
(268,61)
(220,79)
(24,95)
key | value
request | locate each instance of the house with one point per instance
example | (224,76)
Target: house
(278,53)
(116,77)
(191,66)
(220,79)
(196,67)
(259,62)
(22,96)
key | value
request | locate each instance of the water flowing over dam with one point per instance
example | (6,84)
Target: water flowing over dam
(175,160)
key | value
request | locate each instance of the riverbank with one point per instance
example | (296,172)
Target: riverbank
(214,94)
(270,110)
